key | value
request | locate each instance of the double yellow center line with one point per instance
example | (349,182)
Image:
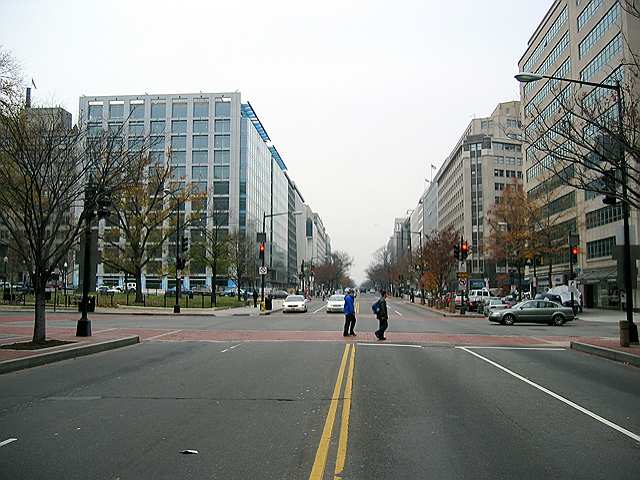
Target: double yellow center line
(317,472)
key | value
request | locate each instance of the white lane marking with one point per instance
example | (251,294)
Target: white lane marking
(162,335)
(106,330)
(398,312)
(390,345)
(316,311)
(550,349)
(7,441)
(230,348)
(558,397)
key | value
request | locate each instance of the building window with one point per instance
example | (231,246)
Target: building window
(136,129)
(222,141)
(221,157)
(158,110)
(201,156)
(201,126)
(200,109)
(157,127)
(599,30)
(221,173)
(221,203)
(156,143)
(221,188)
(602,59)
(178,126)
(199,173)
(95,113)
(200,142)
(601,248)
(588,12)
(116,110)
(178,173)
(222,126)
(498,173)
(179,158)
(136,111)
(604,216)
(179,110)
(223,109)
(156,158)
(499,186)
(178,142)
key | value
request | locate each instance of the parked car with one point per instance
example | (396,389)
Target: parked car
(183,291)
(102,289)
(114,290)
(492,304)
(232,292)
(279,294)
(335,304)
(564,299)
(533,311)
(294,303)
(476,297)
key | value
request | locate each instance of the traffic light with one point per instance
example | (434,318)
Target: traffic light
(184,244)
(574,254)
(456,251)
(464,250)
(261,251)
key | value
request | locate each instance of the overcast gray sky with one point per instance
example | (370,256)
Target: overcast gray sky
(359,97)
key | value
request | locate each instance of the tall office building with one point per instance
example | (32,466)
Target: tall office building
(588,41)
(218,144)
(486,158)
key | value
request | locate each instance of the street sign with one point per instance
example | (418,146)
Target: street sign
(262,270)
(463,275)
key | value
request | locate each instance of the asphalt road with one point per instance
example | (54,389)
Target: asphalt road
(404,317)
(298,410)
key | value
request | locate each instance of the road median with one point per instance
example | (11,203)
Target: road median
(65,352)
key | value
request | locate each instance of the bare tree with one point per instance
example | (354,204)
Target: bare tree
(47,170)
(10,82)
(211,248)
(438,256)
(139,223)
(241,251)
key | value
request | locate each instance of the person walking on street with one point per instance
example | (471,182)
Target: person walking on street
(255,298)
(380,309)
(349,314)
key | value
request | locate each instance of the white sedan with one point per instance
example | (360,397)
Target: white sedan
(294,303)
(335,303)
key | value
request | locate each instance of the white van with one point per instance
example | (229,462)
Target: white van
(477,296)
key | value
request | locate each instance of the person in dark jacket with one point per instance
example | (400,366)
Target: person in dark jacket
(382,316)
(349,314)
(255,298)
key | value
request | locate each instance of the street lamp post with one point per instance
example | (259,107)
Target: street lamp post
(95,206)
(526,77)
(64,271)
(176,307)
(266,215)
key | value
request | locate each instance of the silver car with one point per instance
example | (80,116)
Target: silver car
(533,311)
(335,303)
(492,304)
(294,303)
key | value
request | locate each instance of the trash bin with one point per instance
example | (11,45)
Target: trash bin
(624,333)
(268,303)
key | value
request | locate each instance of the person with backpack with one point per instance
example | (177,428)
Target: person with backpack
(349,314)
(380,309)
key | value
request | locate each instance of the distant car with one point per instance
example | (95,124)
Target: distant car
(294,303)
(232,292)
(114,290)
(335,304)
(492,304)
(533,311)
(102,289)
(279,294)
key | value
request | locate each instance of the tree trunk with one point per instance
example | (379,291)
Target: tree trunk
(138,286)
(39,327)
(550,273)
(214,276)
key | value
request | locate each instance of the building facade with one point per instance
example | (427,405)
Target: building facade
(486,158)
(216,142)
(588,41)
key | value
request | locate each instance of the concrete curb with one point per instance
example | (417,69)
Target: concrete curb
(269,312)
(124,311)
(605,352)
(65,354)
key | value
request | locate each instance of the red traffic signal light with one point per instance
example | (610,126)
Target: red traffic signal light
(574,251)
(262,248)
(465,247)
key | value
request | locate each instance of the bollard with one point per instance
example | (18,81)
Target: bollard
(624,333)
